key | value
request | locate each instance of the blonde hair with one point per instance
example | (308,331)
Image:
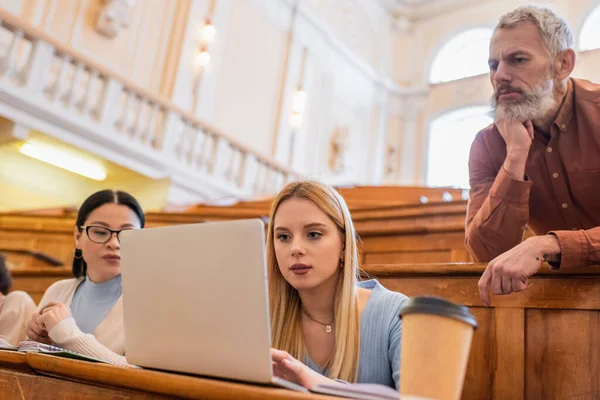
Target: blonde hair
(286,331)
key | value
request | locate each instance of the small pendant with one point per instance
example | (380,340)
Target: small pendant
(327,328)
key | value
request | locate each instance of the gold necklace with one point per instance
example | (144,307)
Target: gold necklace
(328,327)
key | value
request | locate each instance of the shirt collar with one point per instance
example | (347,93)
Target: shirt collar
(565,113)
(101,292)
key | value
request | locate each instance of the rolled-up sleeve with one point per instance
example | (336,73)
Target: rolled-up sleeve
(578,248)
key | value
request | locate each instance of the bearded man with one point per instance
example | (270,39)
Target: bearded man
(538,165)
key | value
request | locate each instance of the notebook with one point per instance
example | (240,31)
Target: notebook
(31,346)
(363,391)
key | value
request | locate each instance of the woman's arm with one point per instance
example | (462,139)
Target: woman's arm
(63,330)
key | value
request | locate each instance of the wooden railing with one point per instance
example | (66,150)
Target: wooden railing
(36,68)
(37,255)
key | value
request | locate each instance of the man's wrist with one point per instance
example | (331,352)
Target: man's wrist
(517,152)
(548,248)
(515,163)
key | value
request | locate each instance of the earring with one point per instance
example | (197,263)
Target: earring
(77,253)
(341,263)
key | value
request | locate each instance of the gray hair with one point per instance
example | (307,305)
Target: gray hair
(554,30)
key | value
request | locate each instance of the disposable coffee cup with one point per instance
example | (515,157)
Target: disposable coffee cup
(436,340)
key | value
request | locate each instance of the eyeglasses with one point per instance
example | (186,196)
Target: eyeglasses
(100,234)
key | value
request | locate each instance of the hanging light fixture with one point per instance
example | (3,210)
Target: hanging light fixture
(203,58)
(298,107)
(299,101)
(296,120)
(208,32)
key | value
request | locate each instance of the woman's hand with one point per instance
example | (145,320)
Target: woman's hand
(36,330)
(287,367)
(53,313)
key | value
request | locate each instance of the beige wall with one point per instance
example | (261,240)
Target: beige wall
(246,98)
(347,58)
(257,62)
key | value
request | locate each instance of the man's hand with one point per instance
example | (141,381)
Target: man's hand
(510,271)
(518,137)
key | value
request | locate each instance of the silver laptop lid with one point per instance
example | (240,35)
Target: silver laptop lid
(195,299)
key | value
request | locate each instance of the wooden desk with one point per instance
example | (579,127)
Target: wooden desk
(542,343)
(38,376)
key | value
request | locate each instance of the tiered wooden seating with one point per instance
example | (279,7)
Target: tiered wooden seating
(33,272)
(432,232)
(399,230)
(357,198)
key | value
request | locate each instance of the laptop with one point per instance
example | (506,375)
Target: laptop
(195,300)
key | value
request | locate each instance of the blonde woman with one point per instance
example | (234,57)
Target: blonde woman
(326,324)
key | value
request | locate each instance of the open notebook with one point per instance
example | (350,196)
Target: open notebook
(28,346)
(362,391)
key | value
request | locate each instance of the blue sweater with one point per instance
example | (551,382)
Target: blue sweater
(93,301)
(380,334)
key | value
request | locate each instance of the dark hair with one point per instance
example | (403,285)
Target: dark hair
(93,202)
(5,277)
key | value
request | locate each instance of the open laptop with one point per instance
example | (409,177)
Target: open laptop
(195,300)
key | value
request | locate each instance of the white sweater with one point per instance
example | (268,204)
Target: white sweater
(108,340)
(16,309)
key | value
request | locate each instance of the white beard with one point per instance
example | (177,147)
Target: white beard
(534,104)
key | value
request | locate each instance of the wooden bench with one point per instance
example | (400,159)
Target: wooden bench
(35,281)
(34,272)
(358,197)
(543,343)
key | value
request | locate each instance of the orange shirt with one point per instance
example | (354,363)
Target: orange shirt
(560,193)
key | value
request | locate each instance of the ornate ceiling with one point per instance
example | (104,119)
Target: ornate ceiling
(415,9)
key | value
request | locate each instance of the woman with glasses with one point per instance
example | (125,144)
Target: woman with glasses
(85,314)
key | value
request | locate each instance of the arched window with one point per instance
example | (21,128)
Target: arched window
(590,31)
(466,54)
(450,138)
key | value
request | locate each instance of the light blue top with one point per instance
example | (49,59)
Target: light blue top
(93,301)
(380,334)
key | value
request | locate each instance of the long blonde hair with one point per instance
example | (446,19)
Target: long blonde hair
(286,330)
